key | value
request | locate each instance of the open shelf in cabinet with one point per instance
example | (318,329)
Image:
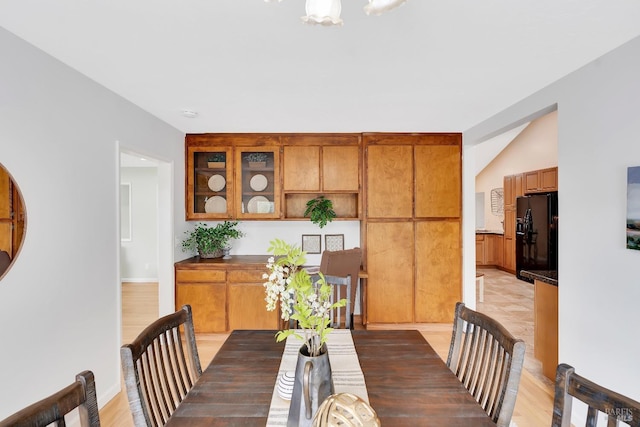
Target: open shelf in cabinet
(346,205)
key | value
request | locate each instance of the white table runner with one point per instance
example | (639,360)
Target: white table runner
(345,369)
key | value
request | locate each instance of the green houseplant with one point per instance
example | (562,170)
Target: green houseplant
(210,241)
(217,160)
(256,159)
(320,211)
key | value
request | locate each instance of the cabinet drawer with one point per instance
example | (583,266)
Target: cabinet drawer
(200,276)
(247,276)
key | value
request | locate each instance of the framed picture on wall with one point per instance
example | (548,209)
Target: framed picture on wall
(633,208)
(311,243)
(334,242)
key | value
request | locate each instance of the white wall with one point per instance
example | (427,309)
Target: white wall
(139,256)
(60,301)
(599,291)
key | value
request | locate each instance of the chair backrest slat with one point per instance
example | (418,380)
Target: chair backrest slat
(488,361)
(81,394)
(340,289)
(158,371)
(343,263)
(616,407)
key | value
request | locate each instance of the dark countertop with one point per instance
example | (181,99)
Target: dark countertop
(234,262)
(547,276)
(482,231)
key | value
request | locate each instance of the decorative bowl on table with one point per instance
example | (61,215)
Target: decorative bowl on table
(285,385)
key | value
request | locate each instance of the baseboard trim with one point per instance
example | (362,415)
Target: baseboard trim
(138,280)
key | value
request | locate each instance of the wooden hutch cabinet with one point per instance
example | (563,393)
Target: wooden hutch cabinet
(271,176)
(412,227)
(234,186)
(408,199)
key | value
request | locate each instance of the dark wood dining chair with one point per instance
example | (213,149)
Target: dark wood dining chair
(341,289)
(51,410)
(160,366)
(344,263)
(488,360)
(616,407)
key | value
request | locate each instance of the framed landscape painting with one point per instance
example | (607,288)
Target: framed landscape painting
(633,208)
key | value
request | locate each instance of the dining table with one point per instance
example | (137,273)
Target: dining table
(407,383)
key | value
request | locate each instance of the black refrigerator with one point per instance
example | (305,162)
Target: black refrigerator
(536,233)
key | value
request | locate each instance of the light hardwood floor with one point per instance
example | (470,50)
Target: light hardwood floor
(535,396)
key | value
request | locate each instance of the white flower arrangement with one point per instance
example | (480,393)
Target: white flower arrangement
(300,298)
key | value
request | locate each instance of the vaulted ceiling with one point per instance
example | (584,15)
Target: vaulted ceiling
(247,65)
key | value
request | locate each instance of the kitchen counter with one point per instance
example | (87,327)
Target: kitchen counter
(483,231)
(545,318)
(546,276)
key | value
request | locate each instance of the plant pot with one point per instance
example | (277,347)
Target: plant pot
(214,254)
(257,165)
(312,385)
(216,165)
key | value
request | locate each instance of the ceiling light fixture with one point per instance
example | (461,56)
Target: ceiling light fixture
(327,12)
(191,114)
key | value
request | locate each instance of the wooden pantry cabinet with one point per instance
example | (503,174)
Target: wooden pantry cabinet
(513,188)
(225,294)
(412,226)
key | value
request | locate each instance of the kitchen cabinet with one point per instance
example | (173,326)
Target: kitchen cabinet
(513,187)
(438,285)
(495,252)
(246,304)
(540,181)
(390,267)
(489,250)
(322,165)
(225,294)
(545,334)
(218,180)
(210,181)
(412,227)
(258,182)
(389,181)
(509,257)
(480,255)
(206,292)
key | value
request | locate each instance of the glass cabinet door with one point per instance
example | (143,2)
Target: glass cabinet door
(258,193)
(209,183)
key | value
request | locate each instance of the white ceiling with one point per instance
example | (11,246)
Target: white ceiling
(247,65)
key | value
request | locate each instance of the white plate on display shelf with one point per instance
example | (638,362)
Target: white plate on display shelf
(215,204)
(216,182)
(252,205)
(258,182)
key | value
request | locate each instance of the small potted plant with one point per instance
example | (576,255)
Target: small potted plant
(217,160)
(320,211)
(209,242)
(256,160)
